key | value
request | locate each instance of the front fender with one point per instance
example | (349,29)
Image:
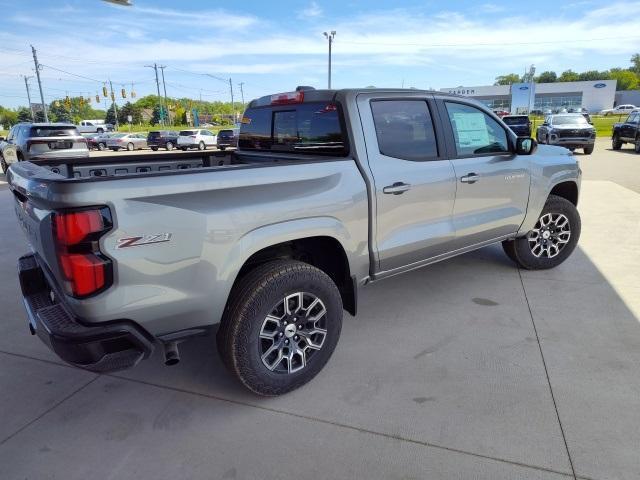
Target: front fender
(544,177)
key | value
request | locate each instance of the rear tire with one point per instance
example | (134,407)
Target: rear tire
(616,143)
(102,147)
(184,149)
(260,340)
(588,150)
(100,130)
(130,147)
(201,146)
(155,149)
(636,146)
(552,240)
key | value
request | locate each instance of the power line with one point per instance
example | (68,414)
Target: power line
(73,74)
(474,44)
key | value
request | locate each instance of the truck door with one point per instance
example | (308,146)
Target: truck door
(492,182)
(413,181)
(629,127)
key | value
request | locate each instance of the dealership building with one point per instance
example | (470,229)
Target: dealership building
(523,97)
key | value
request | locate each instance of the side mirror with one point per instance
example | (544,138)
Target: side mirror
(526,146)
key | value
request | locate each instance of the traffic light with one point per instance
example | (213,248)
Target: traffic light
(124,93)
(104,91)
(97,98)
(113,97)
(133,94)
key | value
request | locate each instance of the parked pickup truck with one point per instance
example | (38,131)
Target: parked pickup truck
(329,190)
(627,132)
(94,126)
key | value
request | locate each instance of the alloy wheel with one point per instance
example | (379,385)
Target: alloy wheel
(293,332)
(550,235)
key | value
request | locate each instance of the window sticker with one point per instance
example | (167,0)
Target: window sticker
(471,129)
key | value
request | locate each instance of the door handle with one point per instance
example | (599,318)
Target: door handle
(470,178)
(397,188)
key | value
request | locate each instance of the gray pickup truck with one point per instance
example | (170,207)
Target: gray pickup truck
(328,191)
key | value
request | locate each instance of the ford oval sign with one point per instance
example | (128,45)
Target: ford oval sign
(524,88)
(600,85)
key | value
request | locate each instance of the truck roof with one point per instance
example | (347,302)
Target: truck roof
(324,95)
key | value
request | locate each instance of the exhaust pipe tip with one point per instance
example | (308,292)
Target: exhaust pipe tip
(171,354)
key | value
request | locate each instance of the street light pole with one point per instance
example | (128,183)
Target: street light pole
(330,36)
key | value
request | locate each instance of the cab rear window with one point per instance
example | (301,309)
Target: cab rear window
(311,128)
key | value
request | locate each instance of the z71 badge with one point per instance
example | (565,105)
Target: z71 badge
(143,240)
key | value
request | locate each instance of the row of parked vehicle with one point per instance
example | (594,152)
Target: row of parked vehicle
(197,138)
(48,141)
(569,130)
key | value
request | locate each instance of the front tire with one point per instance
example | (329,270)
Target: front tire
(201,146)
(616,143)
(3,166)
(155,149)
(102,147)
(551,241)
(130,147)
(636,146)
(169,146)
(280,326)
(588,150)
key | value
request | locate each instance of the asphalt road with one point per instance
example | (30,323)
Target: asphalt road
(465,369)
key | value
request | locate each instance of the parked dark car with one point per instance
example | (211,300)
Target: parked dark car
(519,124)
(569,130)
(47,141)
(627,132)
(228,138)
(97,141)
(162,139)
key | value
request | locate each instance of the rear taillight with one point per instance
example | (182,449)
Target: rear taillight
(85,270)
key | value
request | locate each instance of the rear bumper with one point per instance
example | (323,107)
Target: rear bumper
(103,347)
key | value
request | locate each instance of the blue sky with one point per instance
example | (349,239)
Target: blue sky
(274,46)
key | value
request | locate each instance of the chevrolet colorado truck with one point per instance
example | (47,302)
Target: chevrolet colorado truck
(329,190)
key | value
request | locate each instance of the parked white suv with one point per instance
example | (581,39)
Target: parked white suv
(619,110)
(197,138)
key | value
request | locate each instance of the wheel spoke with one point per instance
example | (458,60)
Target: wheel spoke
(274,363)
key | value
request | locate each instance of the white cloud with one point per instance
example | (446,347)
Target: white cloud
(313,10)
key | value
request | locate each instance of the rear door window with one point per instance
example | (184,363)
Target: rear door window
(314,128)
(404,129)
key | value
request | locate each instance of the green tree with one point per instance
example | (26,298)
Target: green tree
(547,77)
(24,114)
(155,117)
(58,112)
(568,76)
(8,117)
(129,109)
(627,80)
(507,79)
(590,75)
(110,117)
(635,61)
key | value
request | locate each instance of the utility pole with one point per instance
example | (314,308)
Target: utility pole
(155,68)
(26,84)
(330,36)
(241,84)
(233,110)
(44,105)
(113,99)
(164,87)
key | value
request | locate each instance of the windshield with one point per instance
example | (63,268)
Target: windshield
(569,120)
(120,135)
(313,128)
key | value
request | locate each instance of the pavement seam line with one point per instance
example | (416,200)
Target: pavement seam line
(295,415)
(48,410)
(546,372)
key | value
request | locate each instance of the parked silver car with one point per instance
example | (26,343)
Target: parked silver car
(128,141)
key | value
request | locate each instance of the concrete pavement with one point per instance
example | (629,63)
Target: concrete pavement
(468,368)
